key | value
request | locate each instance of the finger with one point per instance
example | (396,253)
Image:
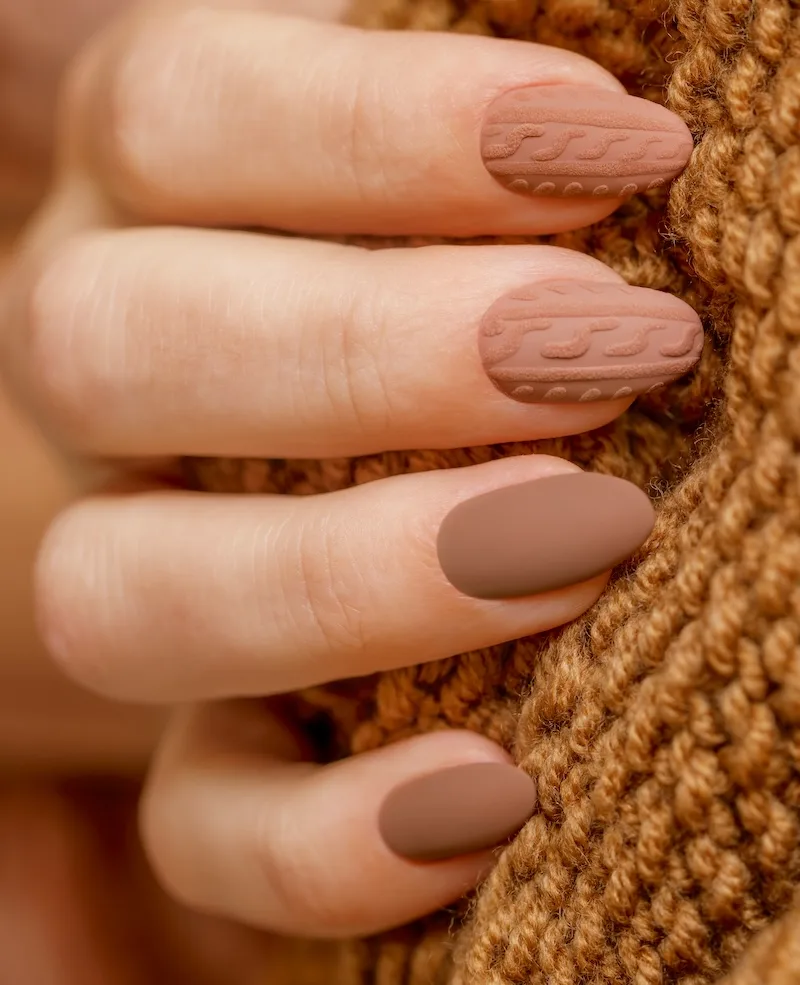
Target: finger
(233,829)
(179,596)
(235,118)
(166,342)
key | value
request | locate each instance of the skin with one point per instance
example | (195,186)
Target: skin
(128,338)
(46,721)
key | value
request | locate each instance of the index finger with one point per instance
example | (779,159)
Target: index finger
(222,117)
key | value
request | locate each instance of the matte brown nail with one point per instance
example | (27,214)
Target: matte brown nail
(456,811)
(542,535)
(572,341)
(576,140)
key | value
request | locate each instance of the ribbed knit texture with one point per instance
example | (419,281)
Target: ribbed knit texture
(663,728)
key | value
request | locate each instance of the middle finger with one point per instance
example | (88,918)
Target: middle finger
(165,342)
(174,596)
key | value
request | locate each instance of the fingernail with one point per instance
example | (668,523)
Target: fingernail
(539,536)
(571,341)
(576,140)
(456,811)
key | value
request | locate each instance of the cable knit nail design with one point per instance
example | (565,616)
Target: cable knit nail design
(579,341)
(575,140)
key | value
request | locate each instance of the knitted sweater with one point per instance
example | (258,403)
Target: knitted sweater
(662,728)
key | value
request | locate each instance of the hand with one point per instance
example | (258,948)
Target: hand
(46,722)
(137,328)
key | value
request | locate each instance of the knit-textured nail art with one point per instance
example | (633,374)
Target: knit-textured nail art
(577,341)
(574,140)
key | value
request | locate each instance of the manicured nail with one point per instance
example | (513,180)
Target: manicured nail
(576,140)
(542,535)
(572,341)
(456,811)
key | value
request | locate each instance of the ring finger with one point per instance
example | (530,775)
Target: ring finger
(176,596)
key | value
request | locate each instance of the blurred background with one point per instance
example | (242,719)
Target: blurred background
(78,906)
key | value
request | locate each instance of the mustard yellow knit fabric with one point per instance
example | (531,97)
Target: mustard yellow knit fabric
(663,728)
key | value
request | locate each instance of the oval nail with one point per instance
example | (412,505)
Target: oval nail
(574,341)
(456,811)
(565,140)
(542,535)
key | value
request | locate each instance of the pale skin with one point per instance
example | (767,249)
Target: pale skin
(139,327)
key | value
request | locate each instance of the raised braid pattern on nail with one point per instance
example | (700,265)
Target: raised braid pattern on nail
(663,728)
(581,141)
(554,337)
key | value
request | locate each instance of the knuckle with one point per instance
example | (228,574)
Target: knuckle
(379,166)
(328,599)
(370,155)
(152,85)
(163,839)
(167,809)
(297,881)
(364,158)
(68,363)
(361,394)
(68,568)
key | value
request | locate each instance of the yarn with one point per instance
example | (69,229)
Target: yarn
(662,728)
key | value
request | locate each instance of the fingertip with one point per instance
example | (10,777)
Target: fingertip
(425,816)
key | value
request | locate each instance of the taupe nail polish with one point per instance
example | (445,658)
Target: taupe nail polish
(564,140)
(573,341)
(542,535)
(456,811)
